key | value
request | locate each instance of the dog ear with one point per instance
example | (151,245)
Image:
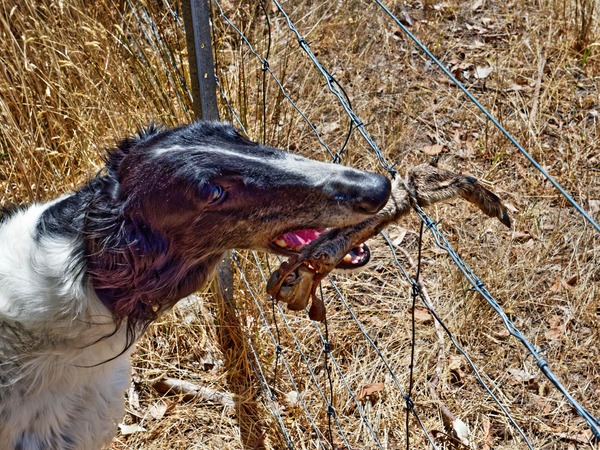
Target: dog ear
(115,156)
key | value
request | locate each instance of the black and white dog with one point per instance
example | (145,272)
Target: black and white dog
(82,276)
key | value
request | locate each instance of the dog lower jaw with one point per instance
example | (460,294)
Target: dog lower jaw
(291,243)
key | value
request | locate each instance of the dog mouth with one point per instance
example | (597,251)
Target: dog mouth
(293,241)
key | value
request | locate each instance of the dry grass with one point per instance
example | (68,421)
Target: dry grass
(65,96)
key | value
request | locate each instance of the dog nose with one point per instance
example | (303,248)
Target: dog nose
(365,192)
(374,193)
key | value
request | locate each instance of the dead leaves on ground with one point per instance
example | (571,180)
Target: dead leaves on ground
(558,327)
(368,391)
(561,285)
(422,315)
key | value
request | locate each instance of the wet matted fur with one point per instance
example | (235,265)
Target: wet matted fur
(81,277)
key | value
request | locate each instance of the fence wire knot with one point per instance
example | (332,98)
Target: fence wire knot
(330,410)
(415,288)
(326,347)
(409,402)
(303,42)
(357,122)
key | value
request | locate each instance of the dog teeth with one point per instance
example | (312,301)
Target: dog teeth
(281,243)
(348,258)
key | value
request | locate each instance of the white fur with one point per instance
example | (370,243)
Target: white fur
(49,321)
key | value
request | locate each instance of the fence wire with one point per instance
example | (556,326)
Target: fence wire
(284,357)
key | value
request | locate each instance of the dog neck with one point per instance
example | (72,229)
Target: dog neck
(141,273)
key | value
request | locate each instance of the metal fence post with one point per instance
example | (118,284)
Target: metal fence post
(204,93)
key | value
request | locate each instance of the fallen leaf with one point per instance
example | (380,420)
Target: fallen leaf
(397,235)
(557,286)
(292,399)
(543,404)
(330,128)
(422,315)
(573,280)
(560,284)
(461,431)
(521,81)
(159,409)
(583,438)
(482,72)
(478,4)
(457,137)
(456,364)
(520,375)
(369,389)
(519,236)
(130,429)
(557,328)
(501,334)
(432,150)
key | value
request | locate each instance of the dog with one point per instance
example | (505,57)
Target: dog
(82,276)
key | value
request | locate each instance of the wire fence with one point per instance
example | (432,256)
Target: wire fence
(326,391)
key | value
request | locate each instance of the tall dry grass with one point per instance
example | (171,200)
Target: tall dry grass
(76,76)
(73,80)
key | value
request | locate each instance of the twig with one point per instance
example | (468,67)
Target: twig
(538,82)
(191,391)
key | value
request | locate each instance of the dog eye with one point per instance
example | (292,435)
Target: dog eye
(217,194)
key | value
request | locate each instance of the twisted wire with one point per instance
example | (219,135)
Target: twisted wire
(542,363)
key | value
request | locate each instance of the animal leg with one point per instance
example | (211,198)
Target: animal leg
(426,184)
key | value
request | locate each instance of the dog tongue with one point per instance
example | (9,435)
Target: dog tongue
(300,237)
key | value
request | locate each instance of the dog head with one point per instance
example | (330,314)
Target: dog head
(172,201)
(206,188)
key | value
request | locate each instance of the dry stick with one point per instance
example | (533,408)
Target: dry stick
(191,391)
(542,57)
